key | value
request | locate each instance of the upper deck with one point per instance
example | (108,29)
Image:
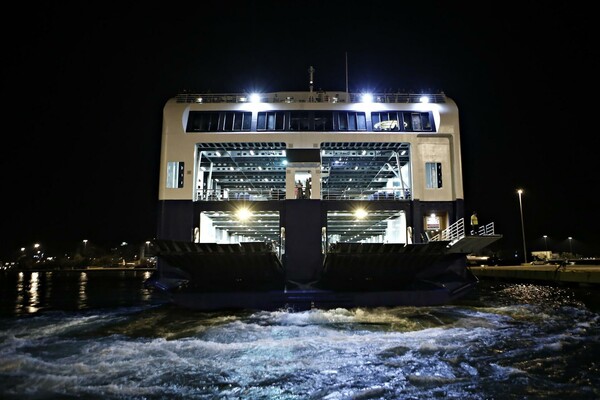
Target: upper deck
(368,145)
(311,97)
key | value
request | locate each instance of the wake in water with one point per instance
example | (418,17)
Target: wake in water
(541,349)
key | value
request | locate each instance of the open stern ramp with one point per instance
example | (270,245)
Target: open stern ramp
(213,267)
(384,266)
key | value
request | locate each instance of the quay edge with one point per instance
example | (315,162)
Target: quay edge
(563,274)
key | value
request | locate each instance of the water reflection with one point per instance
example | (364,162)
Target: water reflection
(33,303)
(82,298)
(19,299)
(47,291)
(146,294)
(26,293)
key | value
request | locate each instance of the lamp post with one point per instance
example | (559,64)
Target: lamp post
(520,192)
(546,241)
(146,248)
(570,245)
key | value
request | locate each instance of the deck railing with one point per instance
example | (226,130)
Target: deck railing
(265,194)
(310,97)
(456,231)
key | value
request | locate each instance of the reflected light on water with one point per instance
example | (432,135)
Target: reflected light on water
(146,294)
(19,299)
(48,289)
(31,292)
(34,298)
(28,299)
(82,297)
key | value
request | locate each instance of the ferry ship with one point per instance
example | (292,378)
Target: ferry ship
(312,199)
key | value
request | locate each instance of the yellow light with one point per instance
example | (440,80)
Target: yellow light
(243,214)
(360,213)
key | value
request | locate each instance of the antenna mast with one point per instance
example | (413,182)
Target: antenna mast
(346,72)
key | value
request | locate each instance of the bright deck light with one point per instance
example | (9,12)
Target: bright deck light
(361,213)
(367,98)
(243,214)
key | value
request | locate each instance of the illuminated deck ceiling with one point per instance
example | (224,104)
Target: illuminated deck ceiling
(264,225)
(360,168)
(344,166)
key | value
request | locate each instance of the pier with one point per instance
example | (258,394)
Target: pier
(548,273)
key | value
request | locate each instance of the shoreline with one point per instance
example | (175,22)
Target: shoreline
(90,269)
(570,273)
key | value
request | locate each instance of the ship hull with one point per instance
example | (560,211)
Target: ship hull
(215,277)
(302,300)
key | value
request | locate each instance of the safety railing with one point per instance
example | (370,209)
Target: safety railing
(260,194)
(456,231)
(453,233)
(486,229)
(309,97)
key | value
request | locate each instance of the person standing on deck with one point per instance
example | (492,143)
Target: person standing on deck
(474,224)
(299,190)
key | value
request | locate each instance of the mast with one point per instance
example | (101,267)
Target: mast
(311,81)
(346,74)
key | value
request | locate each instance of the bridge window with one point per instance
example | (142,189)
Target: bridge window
(406,121)
(299,121)
(219,121)
(349,121)
(417,121)
(272,121)
(311,121)
(386,121)
(323,121)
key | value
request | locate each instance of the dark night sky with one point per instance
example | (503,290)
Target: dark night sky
(84,87)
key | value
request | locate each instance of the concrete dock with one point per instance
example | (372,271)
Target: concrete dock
(571,274)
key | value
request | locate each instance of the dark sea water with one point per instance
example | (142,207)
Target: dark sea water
(100,335)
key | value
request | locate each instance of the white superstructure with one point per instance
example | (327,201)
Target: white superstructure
(394,147)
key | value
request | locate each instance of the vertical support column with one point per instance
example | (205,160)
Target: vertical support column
(315,177)
(290,184)
(303,248)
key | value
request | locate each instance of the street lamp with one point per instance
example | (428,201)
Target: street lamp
(546,241)
(146,248)
(520,192)
(570,244)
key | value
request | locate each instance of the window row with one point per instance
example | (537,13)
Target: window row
(231,121)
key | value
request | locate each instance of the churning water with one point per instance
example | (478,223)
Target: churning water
(89,336)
